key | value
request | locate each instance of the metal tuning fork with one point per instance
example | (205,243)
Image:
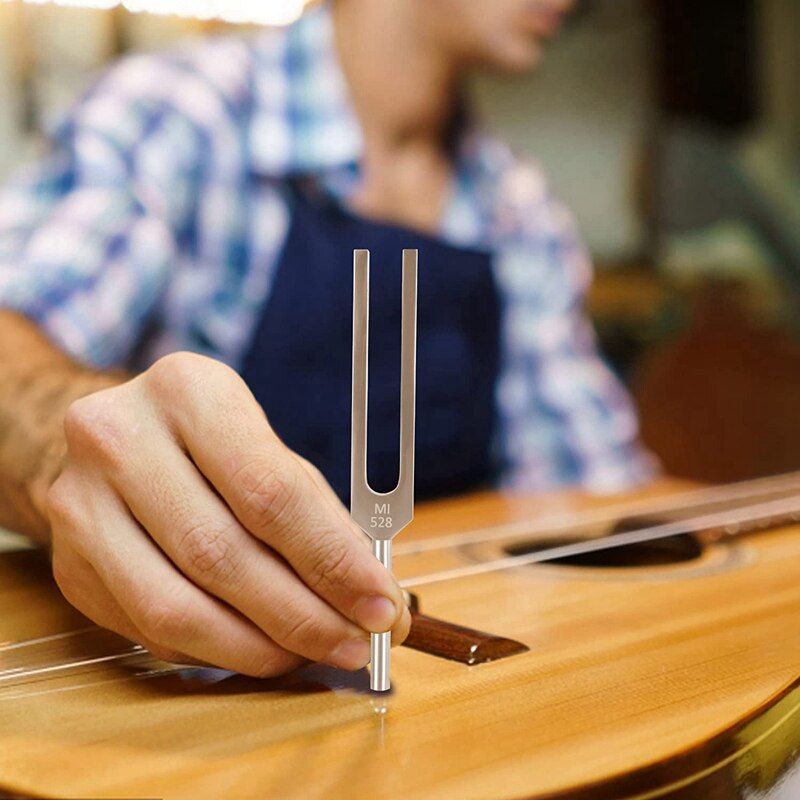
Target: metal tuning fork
(383,515)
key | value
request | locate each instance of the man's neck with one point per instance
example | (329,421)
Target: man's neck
(404,89)
(403,86)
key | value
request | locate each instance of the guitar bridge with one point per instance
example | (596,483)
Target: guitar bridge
(456,642)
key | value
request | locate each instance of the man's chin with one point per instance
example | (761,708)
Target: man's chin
(516,61)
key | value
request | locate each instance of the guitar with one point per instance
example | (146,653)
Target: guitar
(563,647)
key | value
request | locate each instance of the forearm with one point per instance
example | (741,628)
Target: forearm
(37,384)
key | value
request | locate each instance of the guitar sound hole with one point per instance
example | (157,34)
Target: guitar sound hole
(676,549)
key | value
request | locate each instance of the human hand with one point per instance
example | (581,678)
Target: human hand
(182,522)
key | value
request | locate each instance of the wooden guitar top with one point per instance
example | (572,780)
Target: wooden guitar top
(655,681)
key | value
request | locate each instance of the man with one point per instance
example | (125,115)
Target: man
(196,218)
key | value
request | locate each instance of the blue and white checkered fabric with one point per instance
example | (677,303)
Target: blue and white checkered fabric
(156,220)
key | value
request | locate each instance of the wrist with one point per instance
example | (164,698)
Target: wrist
(33,452)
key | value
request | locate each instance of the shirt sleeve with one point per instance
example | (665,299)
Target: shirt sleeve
(86,238)
(566,417)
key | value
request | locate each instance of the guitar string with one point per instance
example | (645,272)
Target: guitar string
(7,695)
(763,512)
(554,522)
(5,646)
(18,673)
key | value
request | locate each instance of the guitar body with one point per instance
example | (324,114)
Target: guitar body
(663,680)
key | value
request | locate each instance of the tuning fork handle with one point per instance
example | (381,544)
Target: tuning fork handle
(380,646)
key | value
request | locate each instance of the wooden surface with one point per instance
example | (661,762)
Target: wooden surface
(627,670)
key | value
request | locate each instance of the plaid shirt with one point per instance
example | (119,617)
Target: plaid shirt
(157,219)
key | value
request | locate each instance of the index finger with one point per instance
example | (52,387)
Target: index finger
(277,500)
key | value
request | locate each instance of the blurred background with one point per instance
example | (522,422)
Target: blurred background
(672,130)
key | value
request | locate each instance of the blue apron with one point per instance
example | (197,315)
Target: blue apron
(299,362)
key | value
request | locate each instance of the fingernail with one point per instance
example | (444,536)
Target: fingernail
(352,654)
(375,614)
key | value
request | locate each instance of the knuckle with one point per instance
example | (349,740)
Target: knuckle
(163,623)
(272,664)
(61,503)
(94,425)
(209,553)
(176,367)
(78,420)
(331,566)
(186,386)
(266,496)
(302,632)
(185,374)
(66,512)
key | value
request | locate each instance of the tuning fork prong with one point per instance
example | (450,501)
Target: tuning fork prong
(383,515)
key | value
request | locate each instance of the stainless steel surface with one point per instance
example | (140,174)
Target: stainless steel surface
(381,643)
(382,515)
(10,542)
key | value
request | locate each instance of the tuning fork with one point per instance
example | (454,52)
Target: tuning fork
(382,515)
